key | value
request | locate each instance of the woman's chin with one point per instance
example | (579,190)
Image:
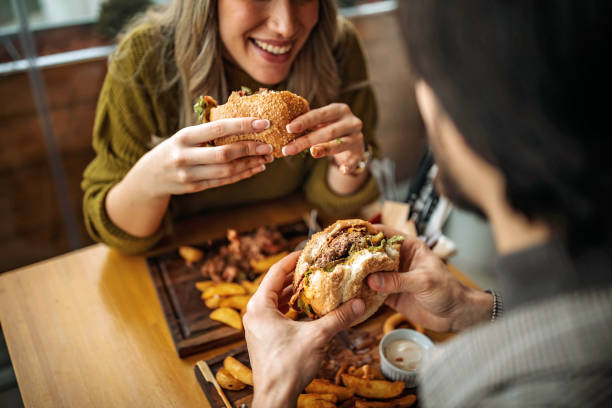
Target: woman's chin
(269,77)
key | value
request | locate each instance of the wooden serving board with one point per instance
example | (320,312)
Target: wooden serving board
(186,314)
(205,370)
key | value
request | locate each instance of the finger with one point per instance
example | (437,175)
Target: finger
(220,171)
(274,281)
(325,114)
(352,143)
(394,282)
(327,133)
(285,295)
(289,278)
(220,154)
(208,184)
(207,132)
(393,301)
(341,318)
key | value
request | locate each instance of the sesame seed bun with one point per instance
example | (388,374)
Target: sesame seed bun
(280,108)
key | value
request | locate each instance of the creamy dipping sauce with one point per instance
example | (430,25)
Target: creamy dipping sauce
(404,354)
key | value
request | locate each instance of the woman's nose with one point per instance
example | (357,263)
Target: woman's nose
(281,18)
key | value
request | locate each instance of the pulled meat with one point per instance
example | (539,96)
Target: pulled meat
(234,259)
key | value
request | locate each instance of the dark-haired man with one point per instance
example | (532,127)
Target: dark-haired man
(508,92)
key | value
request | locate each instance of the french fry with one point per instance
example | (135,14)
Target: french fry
(227,316)
(263,265)
(223,289)
(316,400)
(292,313)
(395,320)
(203,285)
(251,287)
(228,381)
(376,389)
(190,254)
(213,302)
(403,402)
(235,302)
(238,370)
(319,386)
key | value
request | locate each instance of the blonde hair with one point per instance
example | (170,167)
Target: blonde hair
(190,52)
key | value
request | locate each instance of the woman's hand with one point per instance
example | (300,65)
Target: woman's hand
(285,355)
(427,293)
(335,132)
(182,164)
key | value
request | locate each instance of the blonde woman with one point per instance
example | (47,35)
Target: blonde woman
(150,163)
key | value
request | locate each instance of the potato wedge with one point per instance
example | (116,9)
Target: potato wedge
(367,372)
(203,285)
(224,289)
(227,316)
(263,265)
(213,302)
(238,370)
(228,381)
(341,370)
(319,386)
(403,402)
(377,389)
(251,287)
(316,400)
(235,302)
(190,254)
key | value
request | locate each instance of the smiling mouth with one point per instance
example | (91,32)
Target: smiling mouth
(272,49)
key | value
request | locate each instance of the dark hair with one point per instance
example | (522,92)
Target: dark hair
(521,81)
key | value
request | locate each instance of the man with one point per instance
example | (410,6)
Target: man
(507,92)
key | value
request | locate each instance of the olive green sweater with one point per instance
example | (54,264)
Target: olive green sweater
(131,112)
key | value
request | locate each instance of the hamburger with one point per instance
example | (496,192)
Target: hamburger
(335,263)
(279,107)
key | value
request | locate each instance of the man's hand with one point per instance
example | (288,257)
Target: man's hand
(427,293)
(285,355)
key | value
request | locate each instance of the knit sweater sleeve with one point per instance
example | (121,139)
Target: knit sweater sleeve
(359,96)
(124,123)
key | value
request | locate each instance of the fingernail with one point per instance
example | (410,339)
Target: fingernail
(291,128)
(260,168)
(358,307)
(260,124)
(269,158)
(289,150)
(263,149)
(314,152)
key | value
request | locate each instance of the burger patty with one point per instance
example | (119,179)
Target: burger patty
(339,247)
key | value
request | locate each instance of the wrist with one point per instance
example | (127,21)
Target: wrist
(139,180)
(476,307)
(344,184)
(275,393)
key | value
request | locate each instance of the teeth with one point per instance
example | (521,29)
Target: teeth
(273,49)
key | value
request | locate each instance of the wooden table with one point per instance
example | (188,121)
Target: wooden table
(86,329)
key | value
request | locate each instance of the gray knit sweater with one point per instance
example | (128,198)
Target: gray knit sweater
(553,347)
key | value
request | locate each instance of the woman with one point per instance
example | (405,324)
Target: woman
(150,165)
